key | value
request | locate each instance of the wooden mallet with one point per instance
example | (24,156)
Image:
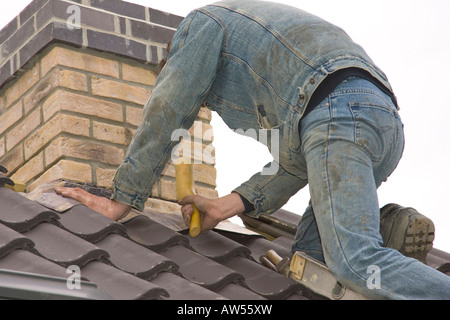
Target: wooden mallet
(184,176)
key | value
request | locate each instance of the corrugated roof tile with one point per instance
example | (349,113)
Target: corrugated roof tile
(11,240)
(88,224)
(134,258)
(439,259)
(182,289)
(217,247)
(258,245)
(63,247)
(153,235)
(22,214)
(234,291)
(201,270)
(121,285)
(263,281)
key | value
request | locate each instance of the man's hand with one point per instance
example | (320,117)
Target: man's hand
(212,211)
(109,208)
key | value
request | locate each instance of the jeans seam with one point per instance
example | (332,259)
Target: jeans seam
(340,92)
(346,261)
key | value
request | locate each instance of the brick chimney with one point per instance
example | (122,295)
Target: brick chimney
(74,77)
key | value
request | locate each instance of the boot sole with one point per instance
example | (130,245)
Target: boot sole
(417,239)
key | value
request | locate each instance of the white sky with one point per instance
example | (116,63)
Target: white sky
(410,41)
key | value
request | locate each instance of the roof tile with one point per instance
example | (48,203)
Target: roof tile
(263,281)
(153,235)
(11,240)
(119,284)
(22,214)
(182,289)
(217,247)
(88,224)
(134,258)
(439,259)
(258,245)
(238,292)
(201,270)
(62,247)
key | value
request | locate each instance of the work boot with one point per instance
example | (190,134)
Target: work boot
(406,230)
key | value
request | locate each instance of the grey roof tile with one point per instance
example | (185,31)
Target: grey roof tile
(284,242)
(288,219)
(62,247)
(238,292)
(263,281)
(182,289)
(201,270)
(258,245)
(88,224)
(439,259)
(11,240)
(134,258)
(153,235)
(297,296)
(217,247)
(281,223)
(21,214)
(121,285)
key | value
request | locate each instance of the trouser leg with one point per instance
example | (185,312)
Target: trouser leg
(348,153)
(307,238)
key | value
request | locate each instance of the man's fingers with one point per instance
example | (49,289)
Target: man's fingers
(186,211)
(69,192)
(187,200)
(78,194)
(109,208)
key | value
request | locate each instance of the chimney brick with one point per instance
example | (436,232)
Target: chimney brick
(72,99)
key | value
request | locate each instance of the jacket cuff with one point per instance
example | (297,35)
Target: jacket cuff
(249,207)
(129,198)
(253,200)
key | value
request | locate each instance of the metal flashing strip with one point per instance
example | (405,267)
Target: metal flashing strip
(29,286)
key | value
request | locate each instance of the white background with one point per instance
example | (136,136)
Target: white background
(410,41)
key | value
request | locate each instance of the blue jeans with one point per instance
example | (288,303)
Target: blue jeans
(351,143)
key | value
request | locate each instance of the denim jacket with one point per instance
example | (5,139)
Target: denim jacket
(256,64)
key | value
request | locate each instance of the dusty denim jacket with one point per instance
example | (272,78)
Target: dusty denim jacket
(256,64)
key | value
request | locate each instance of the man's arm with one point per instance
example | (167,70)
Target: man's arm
(261,194)
(180,90)
(212,211)
(109,208)
(268,193)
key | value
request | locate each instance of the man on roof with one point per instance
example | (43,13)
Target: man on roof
(267,66)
